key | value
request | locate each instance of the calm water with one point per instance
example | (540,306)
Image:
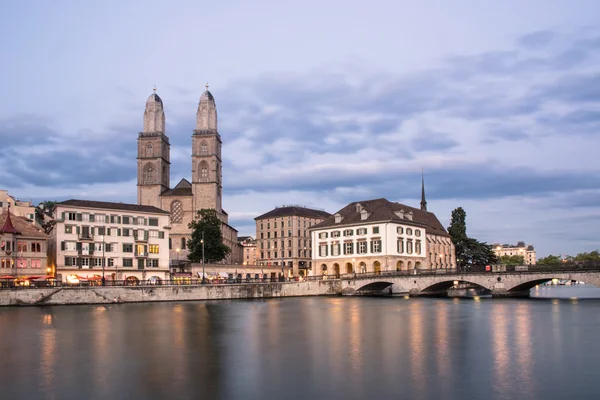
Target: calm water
(301,348)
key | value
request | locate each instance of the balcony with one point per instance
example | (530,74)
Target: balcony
(141,254)
(86,236)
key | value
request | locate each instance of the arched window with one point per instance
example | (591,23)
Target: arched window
(148,174)
(176,212)
(203,148)
(203,171)
(149,152)
(182,243)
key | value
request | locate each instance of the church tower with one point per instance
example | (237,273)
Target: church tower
(154,167)
(206,157)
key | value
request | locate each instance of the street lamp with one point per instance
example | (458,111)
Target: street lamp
(103,279)
(203,271)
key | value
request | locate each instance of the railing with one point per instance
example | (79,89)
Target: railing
(85,236)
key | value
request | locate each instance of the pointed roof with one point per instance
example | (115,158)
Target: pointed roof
(21,225)
(423,201)
(8,226)
(183,188)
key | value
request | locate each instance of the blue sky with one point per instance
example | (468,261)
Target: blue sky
(320,103)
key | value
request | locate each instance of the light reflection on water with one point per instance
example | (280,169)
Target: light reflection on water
(301,348)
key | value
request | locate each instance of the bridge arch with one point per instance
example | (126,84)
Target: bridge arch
(377,287)
(445,285)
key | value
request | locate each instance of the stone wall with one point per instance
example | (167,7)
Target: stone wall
(103,295)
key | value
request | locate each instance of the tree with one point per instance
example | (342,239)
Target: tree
(469,251)
(47,204)
(549,260)
(512,260)
(209,224)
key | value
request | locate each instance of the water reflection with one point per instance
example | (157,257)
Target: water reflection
(303,348)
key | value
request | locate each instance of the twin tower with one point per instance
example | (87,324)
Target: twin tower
(154,166)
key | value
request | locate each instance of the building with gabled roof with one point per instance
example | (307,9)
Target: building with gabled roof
(23,247)
(374,236)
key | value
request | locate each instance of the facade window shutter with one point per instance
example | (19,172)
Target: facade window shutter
(119,232)
(78,230)
(67,261)
(107,231)
(79,218)
(161,235)
(92,231)
(62,245)
(118,219)
(63,216)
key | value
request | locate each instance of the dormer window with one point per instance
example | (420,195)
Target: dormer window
(364,215)
(409,216)
(359,207)
(399,214)
(338,218)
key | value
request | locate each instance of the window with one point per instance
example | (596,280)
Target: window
(335,234)
(323,250)
(126,219)
(268,225)
(85,262)
(153,221)
(275,225)
(268,235)
(348,248)
(110,262)
(127,248)
(203,171)
(335,249)
(126,232)
(70,246)
(262,236)
(69,228)
(400,230)
(417,234)
(408,231)
(152,263)
(409,246)
(170,244)
(376,246)
(338,219)
(289,232)
(418,246)
(36,263)
(203,148)
(289,224)
(375,229)
(72,216)
(153,234)
(22,247)
(153,249)
(348,232)
(182,243)
(361,247)
(361,231)
(128,262)
(176,212)
(97,262)
(323,235)
(149,150)
(400,245)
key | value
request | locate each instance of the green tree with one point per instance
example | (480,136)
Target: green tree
(469,251)
(209,224)
(549,260)
(47,204)
(592,256)
(512,260)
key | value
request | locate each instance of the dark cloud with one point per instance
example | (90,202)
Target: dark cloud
(537,39)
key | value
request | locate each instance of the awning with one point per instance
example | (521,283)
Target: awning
(7,277)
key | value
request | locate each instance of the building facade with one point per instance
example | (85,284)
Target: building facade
(283,238)
(378,235)
(521,249)
(19,208)
(131,241)
(23,247)
(248,244)
(184,200)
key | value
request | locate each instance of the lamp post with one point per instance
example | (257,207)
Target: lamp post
(103,279)
(203,270)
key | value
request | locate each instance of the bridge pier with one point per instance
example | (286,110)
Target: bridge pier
(503,293)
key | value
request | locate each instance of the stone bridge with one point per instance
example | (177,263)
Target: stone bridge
(500,284)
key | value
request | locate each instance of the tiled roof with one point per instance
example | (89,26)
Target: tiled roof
(111,206)
(288,211)
(26,229)
(183,188)
(383,210)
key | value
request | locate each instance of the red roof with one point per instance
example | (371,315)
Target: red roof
(8,226)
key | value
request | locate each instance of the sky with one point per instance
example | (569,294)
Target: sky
(321,103)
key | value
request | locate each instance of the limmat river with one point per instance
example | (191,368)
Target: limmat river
(307,348)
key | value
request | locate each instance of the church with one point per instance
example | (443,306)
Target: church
(184,200)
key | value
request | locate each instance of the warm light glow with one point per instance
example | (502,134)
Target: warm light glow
(177,250)
(455,283)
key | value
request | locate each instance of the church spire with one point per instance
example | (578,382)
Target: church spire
(423,201)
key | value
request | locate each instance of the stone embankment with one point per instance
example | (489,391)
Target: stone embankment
(137,294)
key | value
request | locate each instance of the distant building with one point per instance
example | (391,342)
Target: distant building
(283,239)
(375,236)
(23,246)
(17,207)
(521,249)
(130,240)
(248,244)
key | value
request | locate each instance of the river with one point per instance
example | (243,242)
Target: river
(307,348)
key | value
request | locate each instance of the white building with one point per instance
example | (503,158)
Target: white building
(378,235)
(130,240)
(521,249)
(19,208)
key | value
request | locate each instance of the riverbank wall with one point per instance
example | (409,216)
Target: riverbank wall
(139,294)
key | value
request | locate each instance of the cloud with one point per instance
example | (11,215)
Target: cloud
(509,124)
